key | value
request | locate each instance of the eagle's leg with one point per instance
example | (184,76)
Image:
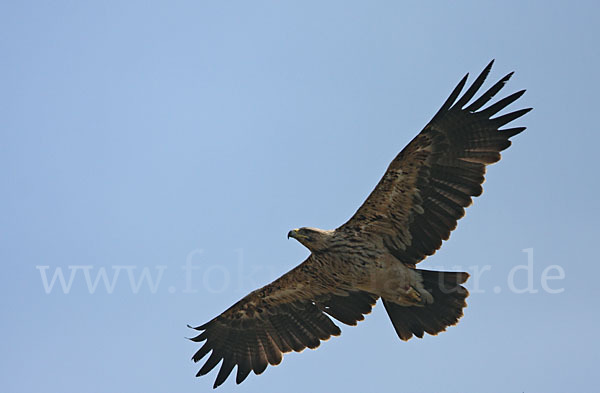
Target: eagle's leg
(413,294)
(399,283)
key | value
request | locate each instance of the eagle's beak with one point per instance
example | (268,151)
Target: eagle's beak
(296,235)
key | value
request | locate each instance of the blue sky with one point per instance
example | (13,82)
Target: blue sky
(138,137)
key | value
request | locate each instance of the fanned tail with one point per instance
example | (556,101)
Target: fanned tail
(447,307)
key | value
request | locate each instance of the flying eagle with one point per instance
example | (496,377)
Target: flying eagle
(415,206)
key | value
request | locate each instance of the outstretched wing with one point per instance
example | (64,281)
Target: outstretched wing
(288,314)
(427,186)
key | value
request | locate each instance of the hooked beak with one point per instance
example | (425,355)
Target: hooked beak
(294,233)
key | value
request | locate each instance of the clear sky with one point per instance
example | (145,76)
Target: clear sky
(137,137)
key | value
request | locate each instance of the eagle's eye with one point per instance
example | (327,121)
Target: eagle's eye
(306,234)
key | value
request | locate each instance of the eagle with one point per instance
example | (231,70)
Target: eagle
(413,208)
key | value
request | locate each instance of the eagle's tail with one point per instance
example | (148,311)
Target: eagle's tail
(448,301)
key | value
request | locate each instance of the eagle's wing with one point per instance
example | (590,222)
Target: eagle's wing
(430,182)
(288,314)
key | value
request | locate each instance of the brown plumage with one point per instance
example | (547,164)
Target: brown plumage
(414,207)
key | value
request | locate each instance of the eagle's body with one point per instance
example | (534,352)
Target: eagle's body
(359,263)
(410,212)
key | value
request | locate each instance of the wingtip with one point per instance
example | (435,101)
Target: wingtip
(461,85)
(201,327)
(452,98)
(524,111)
(520,93)
(203,371)
(239,379)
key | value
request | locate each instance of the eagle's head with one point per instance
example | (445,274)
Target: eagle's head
(312,238)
